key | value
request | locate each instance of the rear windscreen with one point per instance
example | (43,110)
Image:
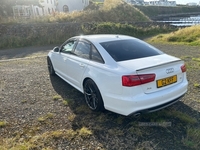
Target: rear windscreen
(122,50)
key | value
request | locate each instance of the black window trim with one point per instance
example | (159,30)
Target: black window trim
(74,39)
(73,50)
(90,57)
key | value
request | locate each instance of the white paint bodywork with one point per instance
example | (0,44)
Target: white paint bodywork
(108,77)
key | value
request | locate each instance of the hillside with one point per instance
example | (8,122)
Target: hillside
(110,11)
(186,36)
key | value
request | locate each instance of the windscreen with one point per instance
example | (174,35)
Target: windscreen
(122,50)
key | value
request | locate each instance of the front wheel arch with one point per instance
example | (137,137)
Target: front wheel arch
(50,66)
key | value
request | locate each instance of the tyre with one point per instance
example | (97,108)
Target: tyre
(50,67)
(93,96)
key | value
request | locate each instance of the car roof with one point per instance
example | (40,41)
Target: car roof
(99,38)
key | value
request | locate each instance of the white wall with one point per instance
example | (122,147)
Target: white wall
(49,6)
(37,11)
(73,5)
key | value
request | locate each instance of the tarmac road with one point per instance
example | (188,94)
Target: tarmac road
(14,53)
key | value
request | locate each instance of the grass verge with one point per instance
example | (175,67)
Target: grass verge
(186,36)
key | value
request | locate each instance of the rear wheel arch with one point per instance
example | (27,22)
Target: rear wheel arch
(87,78)
(92,96)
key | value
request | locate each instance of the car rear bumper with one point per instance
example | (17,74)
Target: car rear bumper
(159,107)
(144,103)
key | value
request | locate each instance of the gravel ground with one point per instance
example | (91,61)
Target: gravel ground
(27,94)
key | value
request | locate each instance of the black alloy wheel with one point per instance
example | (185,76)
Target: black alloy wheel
(92,96)
(50,67)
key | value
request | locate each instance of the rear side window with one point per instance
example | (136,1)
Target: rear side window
(95,56)
(82,50)
(129,49)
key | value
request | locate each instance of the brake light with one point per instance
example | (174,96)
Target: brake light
(134,80)
(183,68)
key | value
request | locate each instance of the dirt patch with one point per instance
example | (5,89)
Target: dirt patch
(40,111)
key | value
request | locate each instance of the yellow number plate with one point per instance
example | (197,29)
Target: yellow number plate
(166,81)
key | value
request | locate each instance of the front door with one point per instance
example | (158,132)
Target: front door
(78,63)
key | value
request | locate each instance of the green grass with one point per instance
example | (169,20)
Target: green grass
(127,29)
(57,97)
(164,114)
(196,59)
(83,109)
(191,63)
(192,138)
(43,140)
(45,117)
(67,102)
(197,85)
(3,124)
(71,117)
(23,101)
(84,132)
(186,36)
(118,128)
(42,34)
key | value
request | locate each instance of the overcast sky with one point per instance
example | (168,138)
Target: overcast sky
(183,1)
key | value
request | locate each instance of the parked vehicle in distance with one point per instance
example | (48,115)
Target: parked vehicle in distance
(119,73)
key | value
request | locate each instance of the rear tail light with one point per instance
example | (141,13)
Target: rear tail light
(183,68)
(134,80)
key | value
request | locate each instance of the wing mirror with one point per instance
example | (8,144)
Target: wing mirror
(56,49)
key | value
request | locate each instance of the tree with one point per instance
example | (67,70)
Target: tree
(5,7)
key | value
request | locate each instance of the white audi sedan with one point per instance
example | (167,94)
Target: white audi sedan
(119,73)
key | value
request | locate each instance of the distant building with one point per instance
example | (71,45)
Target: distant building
(135,2)
(40,8)
(45,7)
(192,4)
(24,11)
(162,3)
(48,6)
(71,5)
(152,3)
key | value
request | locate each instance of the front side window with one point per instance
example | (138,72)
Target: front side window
(129,49)
(83,50)
(68,47)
